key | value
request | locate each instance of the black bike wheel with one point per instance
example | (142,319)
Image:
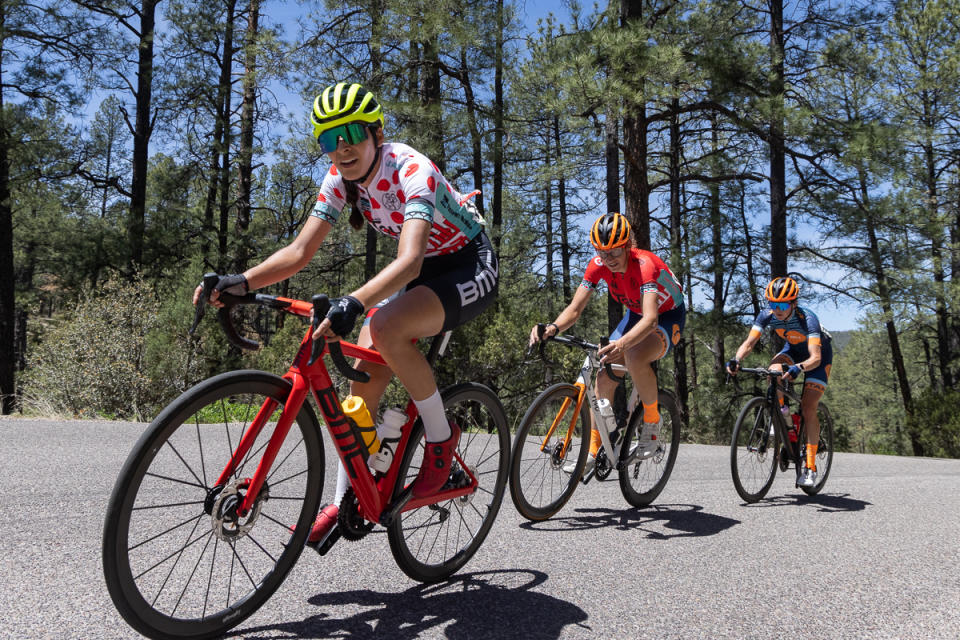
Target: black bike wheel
(177,565)
(433,542)
(753,450)
(539,485)
(824,450)
(642,478)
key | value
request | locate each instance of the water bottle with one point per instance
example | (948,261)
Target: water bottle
(356,409)
(606,414)
(795,429)
(389,431)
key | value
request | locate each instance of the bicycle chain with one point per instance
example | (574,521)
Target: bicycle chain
(351,524)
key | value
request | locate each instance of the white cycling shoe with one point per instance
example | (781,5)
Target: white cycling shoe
(807,479)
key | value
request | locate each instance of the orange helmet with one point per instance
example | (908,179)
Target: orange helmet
(610,231)
(782,289)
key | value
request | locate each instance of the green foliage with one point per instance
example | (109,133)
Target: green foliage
(116,355)
(936,423)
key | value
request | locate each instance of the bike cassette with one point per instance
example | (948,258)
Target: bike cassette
(603,466)
(351,524)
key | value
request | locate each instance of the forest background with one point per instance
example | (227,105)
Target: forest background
(145,143)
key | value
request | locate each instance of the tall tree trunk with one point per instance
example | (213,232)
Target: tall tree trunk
(748,245)
(476,142)
(716,255)
(143,127)
(245,156)
(886,303)
(612,157)
(226,74)
(376,33)
(564,223)
(778,180)
(636,187)
(676,261)
(498,129)
(548,223)
(430,98)
(8,315)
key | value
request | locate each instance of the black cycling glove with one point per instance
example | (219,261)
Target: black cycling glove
(343,314)
(733,364)
(235,285)
(794,372)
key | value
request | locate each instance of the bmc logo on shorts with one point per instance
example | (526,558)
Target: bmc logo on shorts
(475,289)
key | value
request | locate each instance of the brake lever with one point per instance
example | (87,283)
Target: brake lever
(321,304)
(210,281)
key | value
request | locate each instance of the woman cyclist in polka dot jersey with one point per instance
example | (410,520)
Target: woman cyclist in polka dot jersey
(445,272)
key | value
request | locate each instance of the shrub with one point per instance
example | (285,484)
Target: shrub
(115,356)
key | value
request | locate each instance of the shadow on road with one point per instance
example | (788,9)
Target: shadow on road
(826,502)
(489,604)
(687,520)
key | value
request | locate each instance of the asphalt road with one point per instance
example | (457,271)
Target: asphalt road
(874,556)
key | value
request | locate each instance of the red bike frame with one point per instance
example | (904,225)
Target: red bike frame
(374,493)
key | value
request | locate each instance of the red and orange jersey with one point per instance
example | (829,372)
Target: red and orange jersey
(645,272)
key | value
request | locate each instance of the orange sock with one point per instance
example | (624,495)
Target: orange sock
(595,442)
(812,457)
(650,413)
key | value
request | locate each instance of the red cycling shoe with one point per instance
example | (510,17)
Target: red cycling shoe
(324,524)
(436,464)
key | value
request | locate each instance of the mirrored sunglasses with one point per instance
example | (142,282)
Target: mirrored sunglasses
(352,133)
(780,306)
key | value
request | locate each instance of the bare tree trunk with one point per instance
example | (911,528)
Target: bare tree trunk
(498,129)
(778,181)
(245,157)
(676,262)
(476,143)
(143,127)
(716,255)
(564,224)
(226,74)
(7,298)
(612,157)
(430,98)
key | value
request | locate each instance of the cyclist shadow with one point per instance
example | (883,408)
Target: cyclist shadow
(470,603)
(687,520)
(827,503)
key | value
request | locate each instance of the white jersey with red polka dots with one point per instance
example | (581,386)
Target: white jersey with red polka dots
(407,186)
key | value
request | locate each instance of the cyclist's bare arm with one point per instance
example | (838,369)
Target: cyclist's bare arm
(568,317)
(744,350)
(284,262)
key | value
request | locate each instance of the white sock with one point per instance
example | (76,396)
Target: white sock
(434,419)
(342,484)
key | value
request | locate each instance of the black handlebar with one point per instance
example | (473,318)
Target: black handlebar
(321,305)
(568,340)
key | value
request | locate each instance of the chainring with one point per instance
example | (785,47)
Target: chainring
(603,466)
(351,524)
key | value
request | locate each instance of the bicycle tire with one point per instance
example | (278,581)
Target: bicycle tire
(162,499)
(432,542)
(754,451)
(539,486)
(824,450)
(642,479)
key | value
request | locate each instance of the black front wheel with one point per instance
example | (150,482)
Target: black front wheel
(432,542)
(754,450)
(178,560)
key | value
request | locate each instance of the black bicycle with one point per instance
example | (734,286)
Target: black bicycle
(763,440)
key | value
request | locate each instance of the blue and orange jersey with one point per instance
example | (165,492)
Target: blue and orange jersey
(645,272)
(801,328)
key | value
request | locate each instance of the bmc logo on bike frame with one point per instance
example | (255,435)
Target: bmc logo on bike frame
(346,439)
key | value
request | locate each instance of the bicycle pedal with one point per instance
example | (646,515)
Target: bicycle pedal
(327,543)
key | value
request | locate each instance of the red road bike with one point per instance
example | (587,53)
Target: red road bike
(213,506)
